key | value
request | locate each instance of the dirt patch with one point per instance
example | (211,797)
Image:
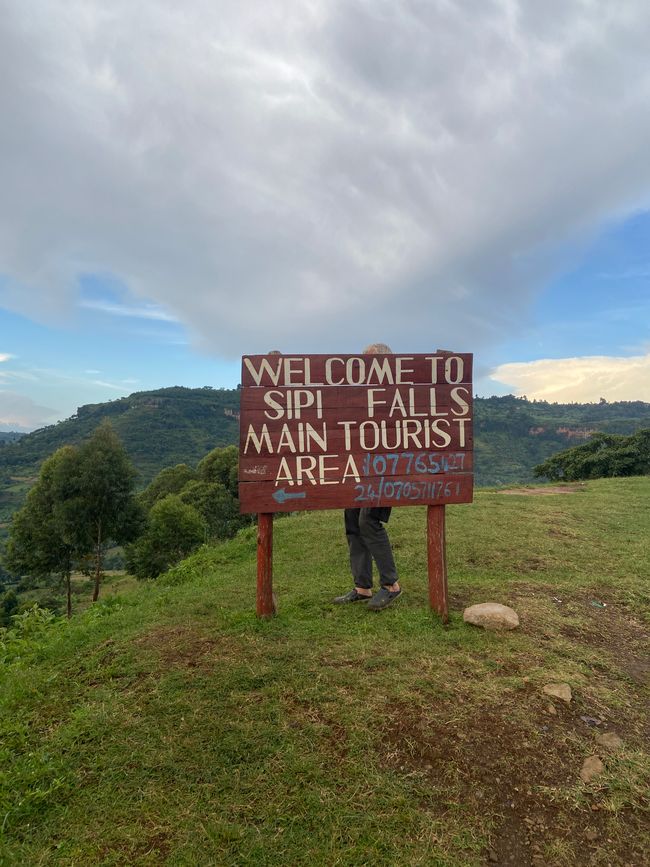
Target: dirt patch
(302,714)
(546,490)
(519,772)
(154,849)
(184,647)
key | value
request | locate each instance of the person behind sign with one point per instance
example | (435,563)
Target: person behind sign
(368,541)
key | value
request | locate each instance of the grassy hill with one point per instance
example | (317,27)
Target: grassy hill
(168,726)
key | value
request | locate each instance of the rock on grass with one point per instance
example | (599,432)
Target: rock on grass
(609,740)
(491,615)
(558,690)
(591,767)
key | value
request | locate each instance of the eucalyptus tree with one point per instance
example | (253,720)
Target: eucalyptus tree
(40,541)
(98,503)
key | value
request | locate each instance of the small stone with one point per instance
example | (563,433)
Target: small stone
(558,690)
(591,767)
(493,857)
(610,741)
(591,835)
(491,615)
(550,708)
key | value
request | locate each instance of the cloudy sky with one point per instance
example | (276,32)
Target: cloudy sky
(182,183)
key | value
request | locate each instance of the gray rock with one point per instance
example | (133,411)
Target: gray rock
(591,767)
(558,690)
(491,615)
(610,741)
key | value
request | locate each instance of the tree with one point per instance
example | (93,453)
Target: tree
(39,540)
(221,465)
(174,530)
(98,506)
(602,456)
(216,505)
(8,607)
(171,480)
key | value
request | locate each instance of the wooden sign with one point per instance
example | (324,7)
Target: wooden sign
(330,432)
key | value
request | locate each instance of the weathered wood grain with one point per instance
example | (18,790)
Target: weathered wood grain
(310,370)
(411,490)
(369,464)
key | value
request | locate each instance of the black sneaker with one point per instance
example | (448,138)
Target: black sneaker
(352,596)
(383,598)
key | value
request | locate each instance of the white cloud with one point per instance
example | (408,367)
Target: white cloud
(584,380)
(103,384)
(4,356)
(18,412)
(146,312)
(322,175)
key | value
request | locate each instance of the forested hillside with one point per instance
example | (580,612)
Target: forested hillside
(9,437)
(512,435)
(158,428)
(169,426)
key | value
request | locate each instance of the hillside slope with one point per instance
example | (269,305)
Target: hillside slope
(158,428)
(169,726)
(181,425)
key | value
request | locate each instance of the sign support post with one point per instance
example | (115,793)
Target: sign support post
(437,561)
(265,604)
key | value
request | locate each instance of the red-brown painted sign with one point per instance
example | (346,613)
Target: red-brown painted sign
(329,431)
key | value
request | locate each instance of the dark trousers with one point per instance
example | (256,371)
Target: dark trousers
(368,541)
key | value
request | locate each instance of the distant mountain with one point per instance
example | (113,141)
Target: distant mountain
(158,428)
(512,435)
(180,425)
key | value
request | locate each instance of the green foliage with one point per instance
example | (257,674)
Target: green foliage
(174,529)
(211,490)
(8,607)
(187,508)
(26,632)
(603,456)
(221,466)
(158,429)
(171,480)
(512,435)
(40,537)
(82,500)
(99,507)
(217,507)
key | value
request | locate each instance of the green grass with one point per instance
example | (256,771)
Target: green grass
(169,726)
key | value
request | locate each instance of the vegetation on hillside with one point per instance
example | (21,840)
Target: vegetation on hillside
(169,726)
(173,426)
(187,507)
(9,437)
(602,456)
(158,429)
(82,503)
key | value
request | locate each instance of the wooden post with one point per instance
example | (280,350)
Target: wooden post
(437,561)
(265,604)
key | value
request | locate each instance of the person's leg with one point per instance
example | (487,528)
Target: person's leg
(374,535)
(360,558)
